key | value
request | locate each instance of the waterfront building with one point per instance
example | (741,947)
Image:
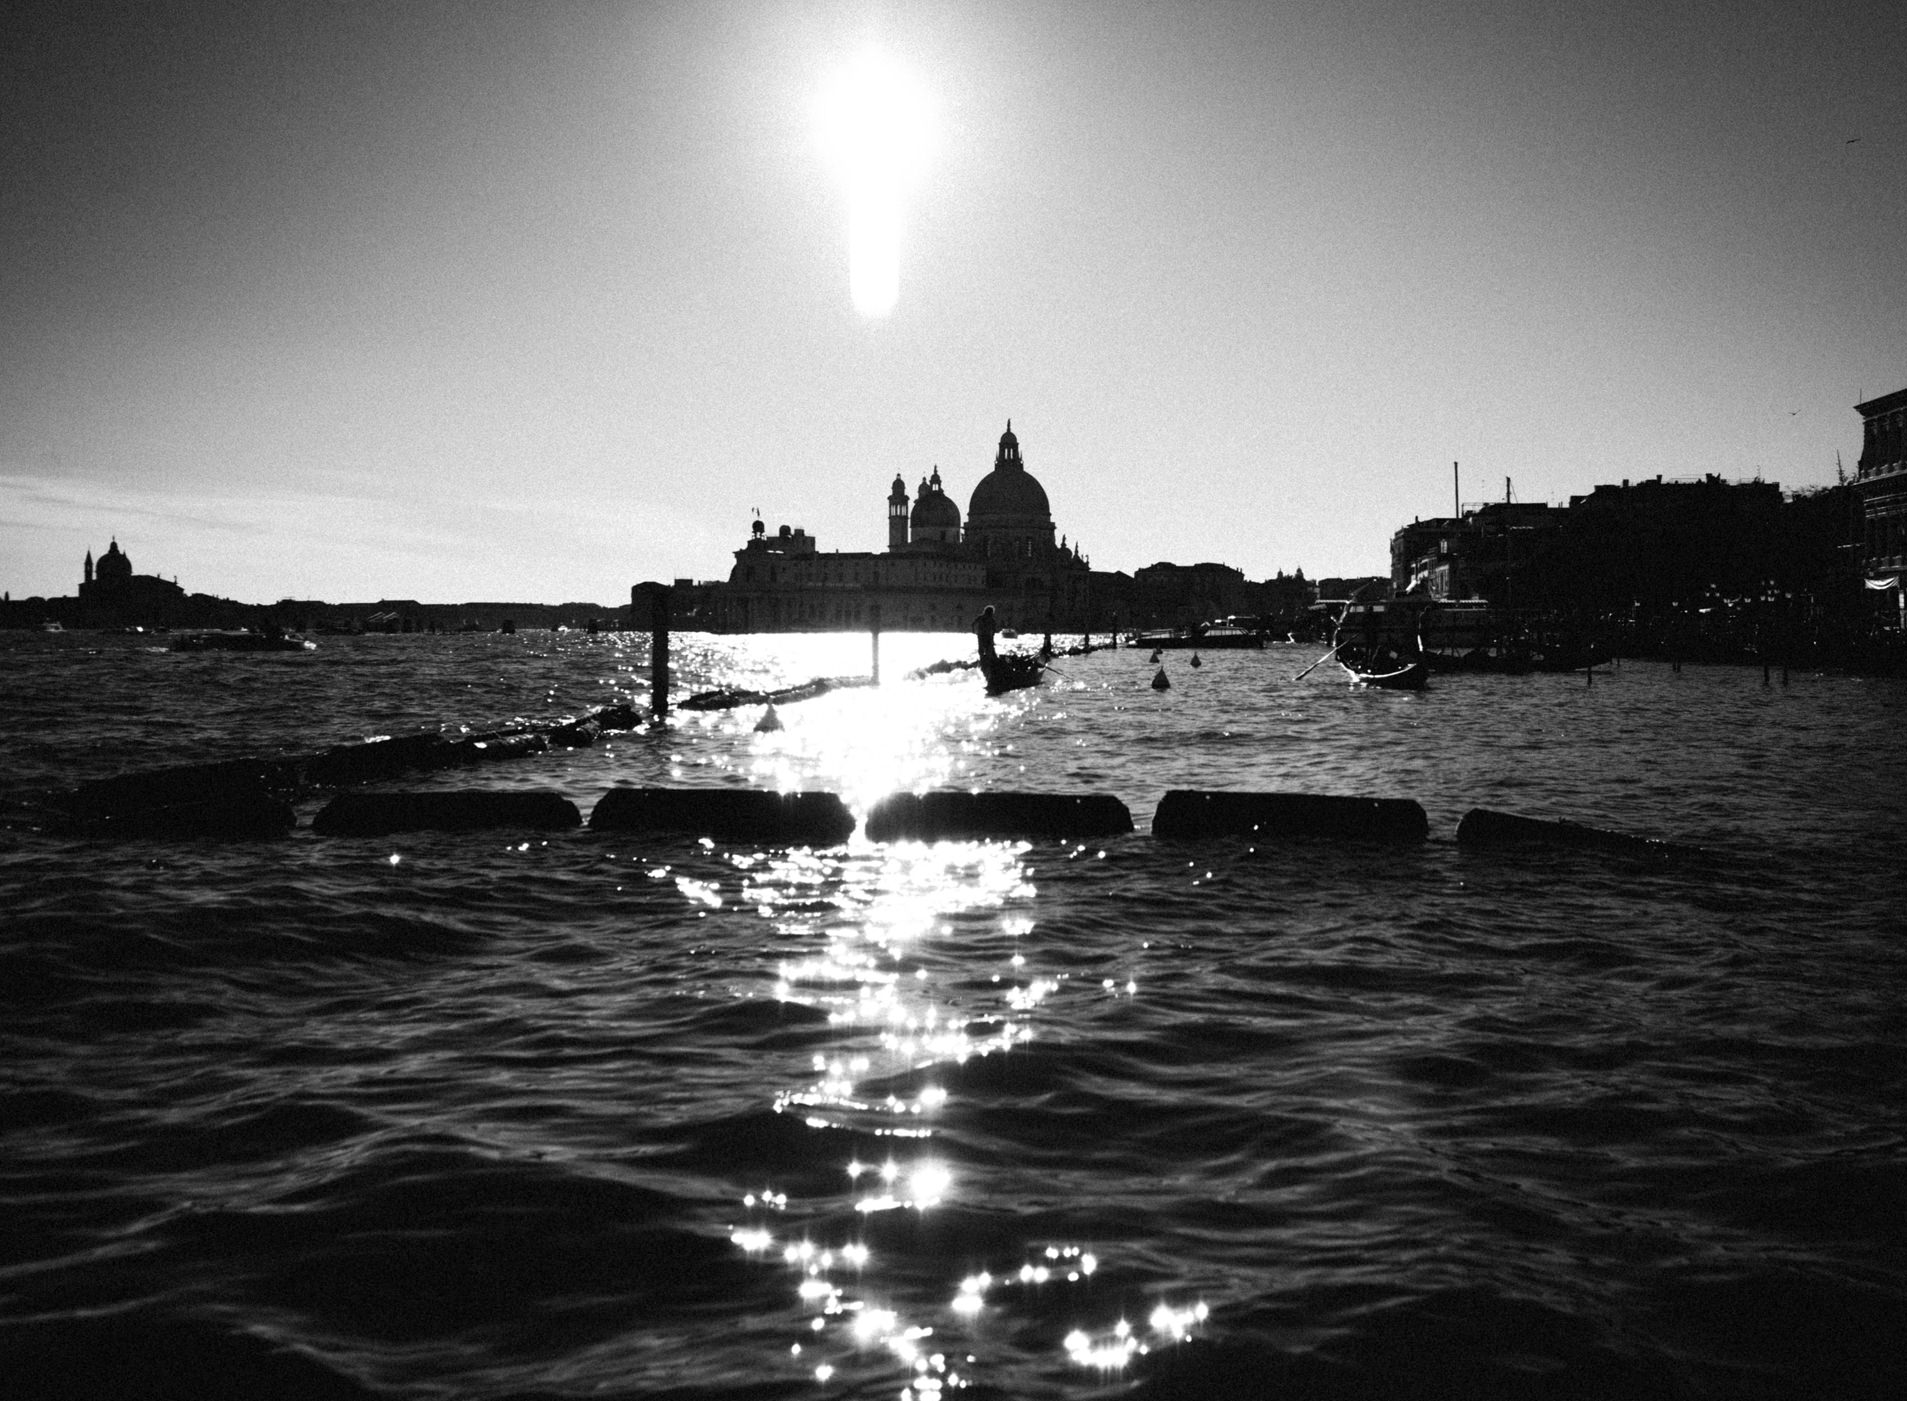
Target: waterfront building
(1741,563)
(1649,543)
(1655,544)
(1423,556)
(1335,590)
(109,592)
(1181,595)
(935,575)
(1479,555)
(1882,481)
(785,583)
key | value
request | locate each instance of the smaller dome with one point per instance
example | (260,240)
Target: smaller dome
(934,509)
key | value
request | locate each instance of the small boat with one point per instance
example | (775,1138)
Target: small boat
(1226,634)
(243,640)
(1013,671)
(1380,646)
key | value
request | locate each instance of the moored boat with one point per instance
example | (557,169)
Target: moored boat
(1475,638)
(1220,636)
(242,640)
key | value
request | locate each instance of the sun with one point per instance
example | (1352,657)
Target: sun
(874,120)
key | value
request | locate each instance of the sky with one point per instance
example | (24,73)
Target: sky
(535,301)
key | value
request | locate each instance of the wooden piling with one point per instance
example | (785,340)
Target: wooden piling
(658,596)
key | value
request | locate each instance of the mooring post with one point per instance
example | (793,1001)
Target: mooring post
(874,640)
(658,596)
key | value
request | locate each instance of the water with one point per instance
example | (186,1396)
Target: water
(599,1115)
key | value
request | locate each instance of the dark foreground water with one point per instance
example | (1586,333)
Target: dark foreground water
(603,1116)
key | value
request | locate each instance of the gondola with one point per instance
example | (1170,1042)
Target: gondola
(1376,646)
(1389,674)
(1012,672)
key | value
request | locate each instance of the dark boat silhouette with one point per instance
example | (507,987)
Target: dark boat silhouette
(1380,645)
(1012,672)
(242,641)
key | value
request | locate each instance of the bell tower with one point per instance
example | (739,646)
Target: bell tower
(897,515)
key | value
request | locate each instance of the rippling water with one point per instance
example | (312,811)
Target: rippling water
(604,1115)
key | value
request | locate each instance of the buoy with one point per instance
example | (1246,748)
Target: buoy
(1155,654)
(1187,813)
(1161,682)
(727,814)
(944,816)
(769,722)
(1196,661)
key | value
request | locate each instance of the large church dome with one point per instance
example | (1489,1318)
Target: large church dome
(1008,496)
(113,566)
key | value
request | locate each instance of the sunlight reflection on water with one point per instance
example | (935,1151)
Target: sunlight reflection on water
(865,744)
(882,928)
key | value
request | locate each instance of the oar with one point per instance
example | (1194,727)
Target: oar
(1318,663)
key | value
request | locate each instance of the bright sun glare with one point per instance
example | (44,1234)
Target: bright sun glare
(874,119)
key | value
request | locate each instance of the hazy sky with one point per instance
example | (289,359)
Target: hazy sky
(533,301)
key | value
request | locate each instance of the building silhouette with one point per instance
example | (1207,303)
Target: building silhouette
(935,575)
(1882,482)
(110,593)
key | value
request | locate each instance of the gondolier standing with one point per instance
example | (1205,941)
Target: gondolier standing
(1012,672)
(983,629)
